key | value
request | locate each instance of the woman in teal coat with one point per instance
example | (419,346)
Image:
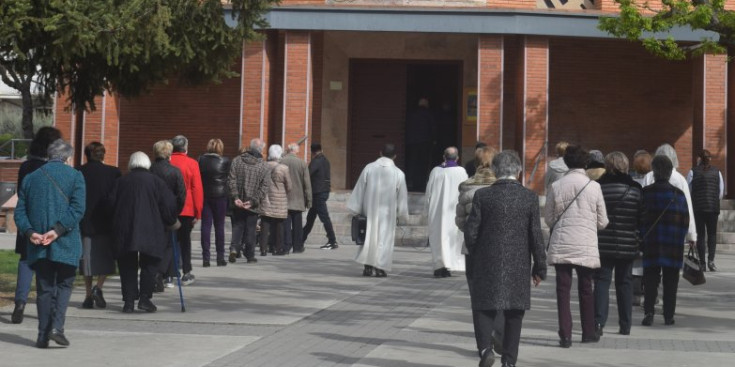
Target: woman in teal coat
(51,203)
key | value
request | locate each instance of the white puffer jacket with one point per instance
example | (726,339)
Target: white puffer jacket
(574,238)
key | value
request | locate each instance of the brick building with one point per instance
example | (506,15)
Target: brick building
(516,74)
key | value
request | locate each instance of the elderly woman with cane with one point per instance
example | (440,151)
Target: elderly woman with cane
(51,203)
(503,234)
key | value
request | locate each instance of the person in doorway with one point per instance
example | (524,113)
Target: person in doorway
(442,195)
(557,167)
(192,211)
(707,188)
(575,211)
(380,195)
(96,226)
(420,133)
(214,169)
(299,199)
(144,208)
(503,234)
(274,209)
(472,166)
(50,205)
(320,186)
(37,157)
(248,184)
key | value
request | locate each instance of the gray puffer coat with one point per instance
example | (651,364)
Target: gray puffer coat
(275,204)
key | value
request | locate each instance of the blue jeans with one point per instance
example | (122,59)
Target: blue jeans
(23,284)
(54,282)
(623,291)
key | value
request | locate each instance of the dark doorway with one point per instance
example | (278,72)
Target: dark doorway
(384,95)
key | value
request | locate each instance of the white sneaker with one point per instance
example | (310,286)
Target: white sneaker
(187,279)
(169,283)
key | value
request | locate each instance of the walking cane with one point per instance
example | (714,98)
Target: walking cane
(176,266)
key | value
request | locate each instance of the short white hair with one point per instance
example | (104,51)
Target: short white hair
(293,148)
(274,152)
(669,152)
(139,160)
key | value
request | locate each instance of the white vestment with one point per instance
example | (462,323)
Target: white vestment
(445,238)
(380,195)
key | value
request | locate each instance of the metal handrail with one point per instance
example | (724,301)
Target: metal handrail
(12,143)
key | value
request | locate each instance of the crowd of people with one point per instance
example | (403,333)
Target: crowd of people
(604,216)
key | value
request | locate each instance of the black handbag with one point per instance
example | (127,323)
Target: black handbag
(359,227)
(693,268)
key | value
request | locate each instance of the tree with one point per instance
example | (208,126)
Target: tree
(640,21)
(84,47)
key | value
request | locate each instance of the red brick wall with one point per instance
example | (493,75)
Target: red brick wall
(255,89)
(710,108)
(200,113)
(490,88)
(613,95)
(111,129)
(536,66)
(297,86)
(63,117)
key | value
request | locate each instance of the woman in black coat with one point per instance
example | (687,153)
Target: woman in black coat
(618,242)
(502,234)
(214,169)
(96,225)
(144,208)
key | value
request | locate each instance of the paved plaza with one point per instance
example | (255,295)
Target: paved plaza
(315,309)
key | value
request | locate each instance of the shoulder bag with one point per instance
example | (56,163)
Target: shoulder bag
(551,229)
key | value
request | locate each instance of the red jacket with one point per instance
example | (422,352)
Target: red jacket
(193,182)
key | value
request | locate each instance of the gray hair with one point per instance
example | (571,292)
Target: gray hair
(180,143)
(451,154)
(275,152)
(661,167)
(616,162)
(257,145)
(597,156)
(292,148)
(506,163)
(139,160)
(59,150)
(669,152)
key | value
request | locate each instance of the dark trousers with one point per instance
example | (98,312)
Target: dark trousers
(183,236)
(214,212)
(511,334)
(54,282)
(319,208)
(652,276)
(706,224)
(418,165)
(623,291)
(271,231)
(586,299)
(244,223)
(293,231)
(128,265)
(483,336)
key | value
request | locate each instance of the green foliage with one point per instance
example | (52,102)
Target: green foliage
(641,22)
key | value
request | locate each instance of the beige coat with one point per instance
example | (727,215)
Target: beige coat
(275,204)
(574,238)
(299,198)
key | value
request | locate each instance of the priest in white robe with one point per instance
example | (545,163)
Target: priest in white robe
(380,195)
(442,194)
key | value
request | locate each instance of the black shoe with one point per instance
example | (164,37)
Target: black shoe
(280,253)
(88,302)
(591,339)
(438,273)
(598,330)
(669,321)
(446,273)
(128,307)
(205,263)
(330,246)
(368,271)
(58,337)
(99,299)
(221,263)
(238,254)
(233,256)
(158,283)
(252,260)
(379,273)
(624,331)
(264,253)
(298,251)
(703,266)
(18,311)
(565,343)
(711,266)
(42,343)
(146,305)
(647,320)
(488,358)
(506,364)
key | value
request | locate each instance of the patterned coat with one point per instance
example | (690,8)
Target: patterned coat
(503,234)
(248,179)
(275,204)
(664,246)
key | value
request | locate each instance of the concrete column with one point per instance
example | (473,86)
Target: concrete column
(535,111)
(490,57)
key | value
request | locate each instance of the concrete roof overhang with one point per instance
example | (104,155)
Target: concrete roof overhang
(450,20)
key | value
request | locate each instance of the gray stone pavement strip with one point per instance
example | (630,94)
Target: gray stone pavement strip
(315,309)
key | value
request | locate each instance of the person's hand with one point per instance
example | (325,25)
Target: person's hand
(247,205)
(536,280)
(238,203)
(36,238)
(49,237)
